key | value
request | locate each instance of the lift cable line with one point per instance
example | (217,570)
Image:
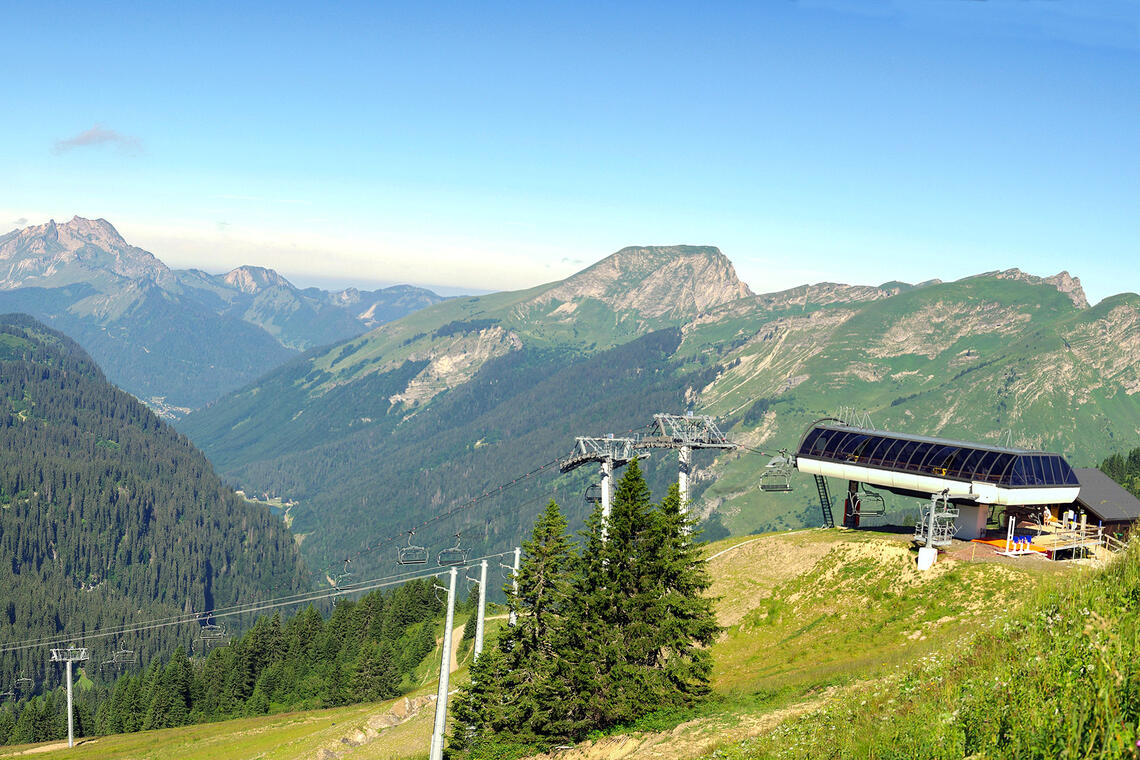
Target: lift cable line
(495,491)
(379,543)
(247,608)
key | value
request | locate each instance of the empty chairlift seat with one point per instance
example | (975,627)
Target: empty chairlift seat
(455,555)
(777,474)
(411,554)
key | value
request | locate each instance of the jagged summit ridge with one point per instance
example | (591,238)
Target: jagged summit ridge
(44,250)
(657,281)
(1062,281)
(251,279)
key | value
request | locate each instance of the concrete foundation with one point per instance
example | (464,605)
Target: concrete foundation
(971,522)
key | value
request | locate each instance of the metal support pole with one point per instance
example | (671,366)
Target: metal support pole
(444,675)
(930,529)
(607,492)
(515,583)
(70,712)
(684,462)
(482,610)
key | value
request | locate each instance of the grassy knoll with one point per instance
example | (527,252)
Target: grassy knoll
(810,617)
(1059,677)
(289,736)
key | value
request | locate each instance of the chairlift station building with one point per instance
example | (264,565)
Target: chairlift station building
(974,476)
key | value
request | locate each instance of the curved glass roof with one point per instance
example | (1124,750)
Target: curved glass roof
(955,460)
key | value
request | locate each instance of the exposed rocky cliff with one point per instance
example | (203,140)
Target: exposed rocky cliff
(656,281)
(39,254)
(1062,281)
(251,280)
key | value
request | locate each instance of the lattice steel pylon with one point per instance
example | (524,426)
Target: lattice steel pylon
(937,522)
(69,655)
(685,432)
(609,452)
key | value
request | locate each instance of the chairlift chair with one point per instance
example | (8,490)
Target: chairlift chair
(455,555)
(23,683)
(776,477)
(125,657)
(212,633)
(871,502)
(593,493)
(411,554)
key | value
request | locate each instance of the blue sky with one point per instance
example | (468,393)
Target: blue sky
(487,146)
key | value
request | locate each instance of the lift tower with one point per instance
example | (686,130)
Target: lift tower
(608,452)
(685,433)
(68,656)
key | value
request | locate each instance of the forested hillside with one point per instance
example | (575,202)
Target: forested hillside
(1124,469)
(108,516)
(366,650)
(357,482)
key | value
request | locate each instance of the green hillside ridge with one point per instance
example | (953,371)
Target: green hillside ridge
(426,412)
(108,514)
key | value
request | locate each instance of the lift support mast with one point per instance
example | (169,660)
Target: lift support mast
(609,452)
(685,433)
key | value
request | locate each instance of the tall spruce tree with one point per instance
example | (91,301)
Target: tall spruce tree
(687,620)
(518,692)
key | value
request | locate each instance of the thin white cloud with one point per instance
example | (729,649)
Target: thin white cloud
(260,199)
(21,222)
(99,136)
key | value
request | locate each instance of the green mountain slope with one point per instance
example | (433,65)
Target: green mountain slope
(107,515)
(412,418)
(985,359)
(371,435)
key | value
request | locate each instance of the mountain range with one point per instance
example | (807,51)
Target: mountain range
(428,412)
(177,339)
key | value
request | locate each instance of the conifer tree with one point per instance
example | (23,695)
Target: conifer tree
(687,620)
(518,692)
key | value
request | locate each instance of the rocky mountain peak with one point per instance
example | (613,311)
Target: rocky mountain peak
(657,281)
(251,280)
(1062,281)
(39,254)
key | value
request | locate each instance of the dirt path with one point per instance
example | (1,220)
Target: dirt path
(691,739)
(456,639)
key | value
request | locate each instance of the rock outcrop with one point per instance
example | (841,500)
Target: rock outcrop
(1062,281)
(656,281)
(51,250)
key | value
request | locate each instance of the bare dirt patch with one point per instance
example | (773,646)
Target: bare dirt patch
(746,575)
